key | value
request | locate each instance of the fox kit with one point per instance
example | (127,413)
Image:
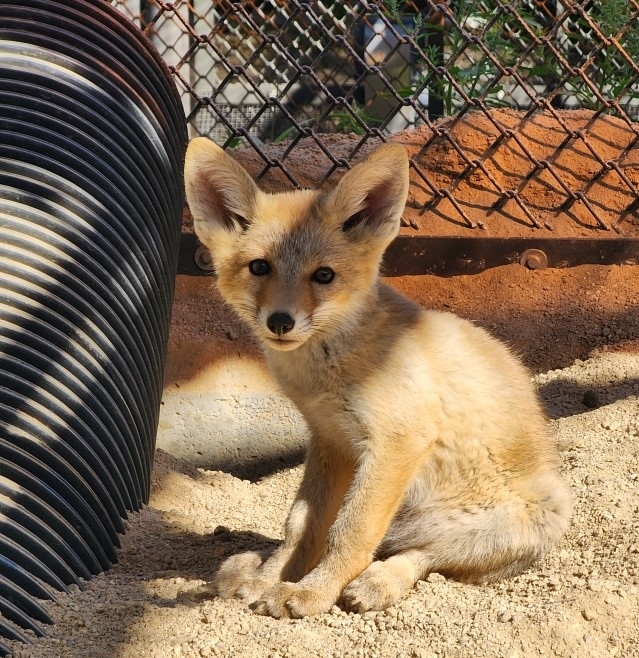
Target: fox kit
(429,451)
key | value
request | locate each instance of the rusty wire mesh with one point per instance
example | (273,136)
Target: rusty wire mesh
(266,73)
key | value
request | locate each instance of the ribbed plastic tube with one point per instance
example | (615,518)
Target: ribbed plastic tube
(92,137)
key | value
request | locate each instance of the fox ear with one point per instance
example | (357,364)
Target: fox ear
(370,198)
(219,191)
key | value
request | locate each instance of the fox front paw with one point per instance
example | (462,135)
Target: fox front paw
(293,600)
(239,577)
(374,589)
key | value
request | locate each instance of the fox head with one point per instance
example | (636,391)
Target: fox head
(296,265)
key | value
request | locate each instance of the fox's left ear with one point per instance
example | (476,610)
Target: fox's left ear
(370,198)
(220,192)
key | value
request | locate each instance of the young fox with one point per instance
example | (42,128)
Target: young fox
(429,450)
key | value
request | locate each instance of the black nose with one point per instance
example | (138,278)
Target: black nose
(280,323)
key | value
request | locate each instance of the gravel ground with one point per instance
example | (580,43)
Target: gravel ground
(581,601)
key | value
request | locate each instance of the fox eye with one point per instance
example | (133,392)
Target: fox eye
(259,267)
(323,275)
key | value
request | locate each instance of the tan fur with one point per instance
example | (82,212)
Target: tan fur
(429,450)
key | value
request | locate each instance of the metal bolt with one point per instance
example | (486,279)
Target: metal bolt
(203,259)
(534,259)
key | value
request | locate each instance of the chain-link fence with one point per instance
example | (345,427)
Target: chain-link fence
(275,75)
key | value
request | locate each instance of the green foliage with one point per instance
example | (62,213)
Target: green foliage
(616,17)
(354,121)
(481,38)
(613,75)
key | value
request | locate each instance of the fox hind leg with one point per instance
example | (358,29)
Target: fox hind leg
(384,582)
(473,546)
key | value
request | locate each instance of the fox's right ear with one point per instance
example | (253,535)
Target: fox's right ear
(369,199)
(220,192)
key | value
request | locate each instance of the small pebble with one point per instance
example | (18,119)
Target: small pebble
(591,399)
(504,615)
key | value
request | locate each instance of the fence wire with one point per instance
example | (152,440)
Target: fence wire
(254,73)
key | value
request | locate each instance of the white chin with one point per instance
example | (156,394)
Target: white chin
(282,345)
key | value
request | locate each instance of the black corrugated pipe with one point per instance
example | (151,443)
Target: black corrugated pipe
(92,136)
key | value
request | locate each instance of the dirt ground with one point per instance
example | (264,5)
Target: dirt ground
(577,330)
